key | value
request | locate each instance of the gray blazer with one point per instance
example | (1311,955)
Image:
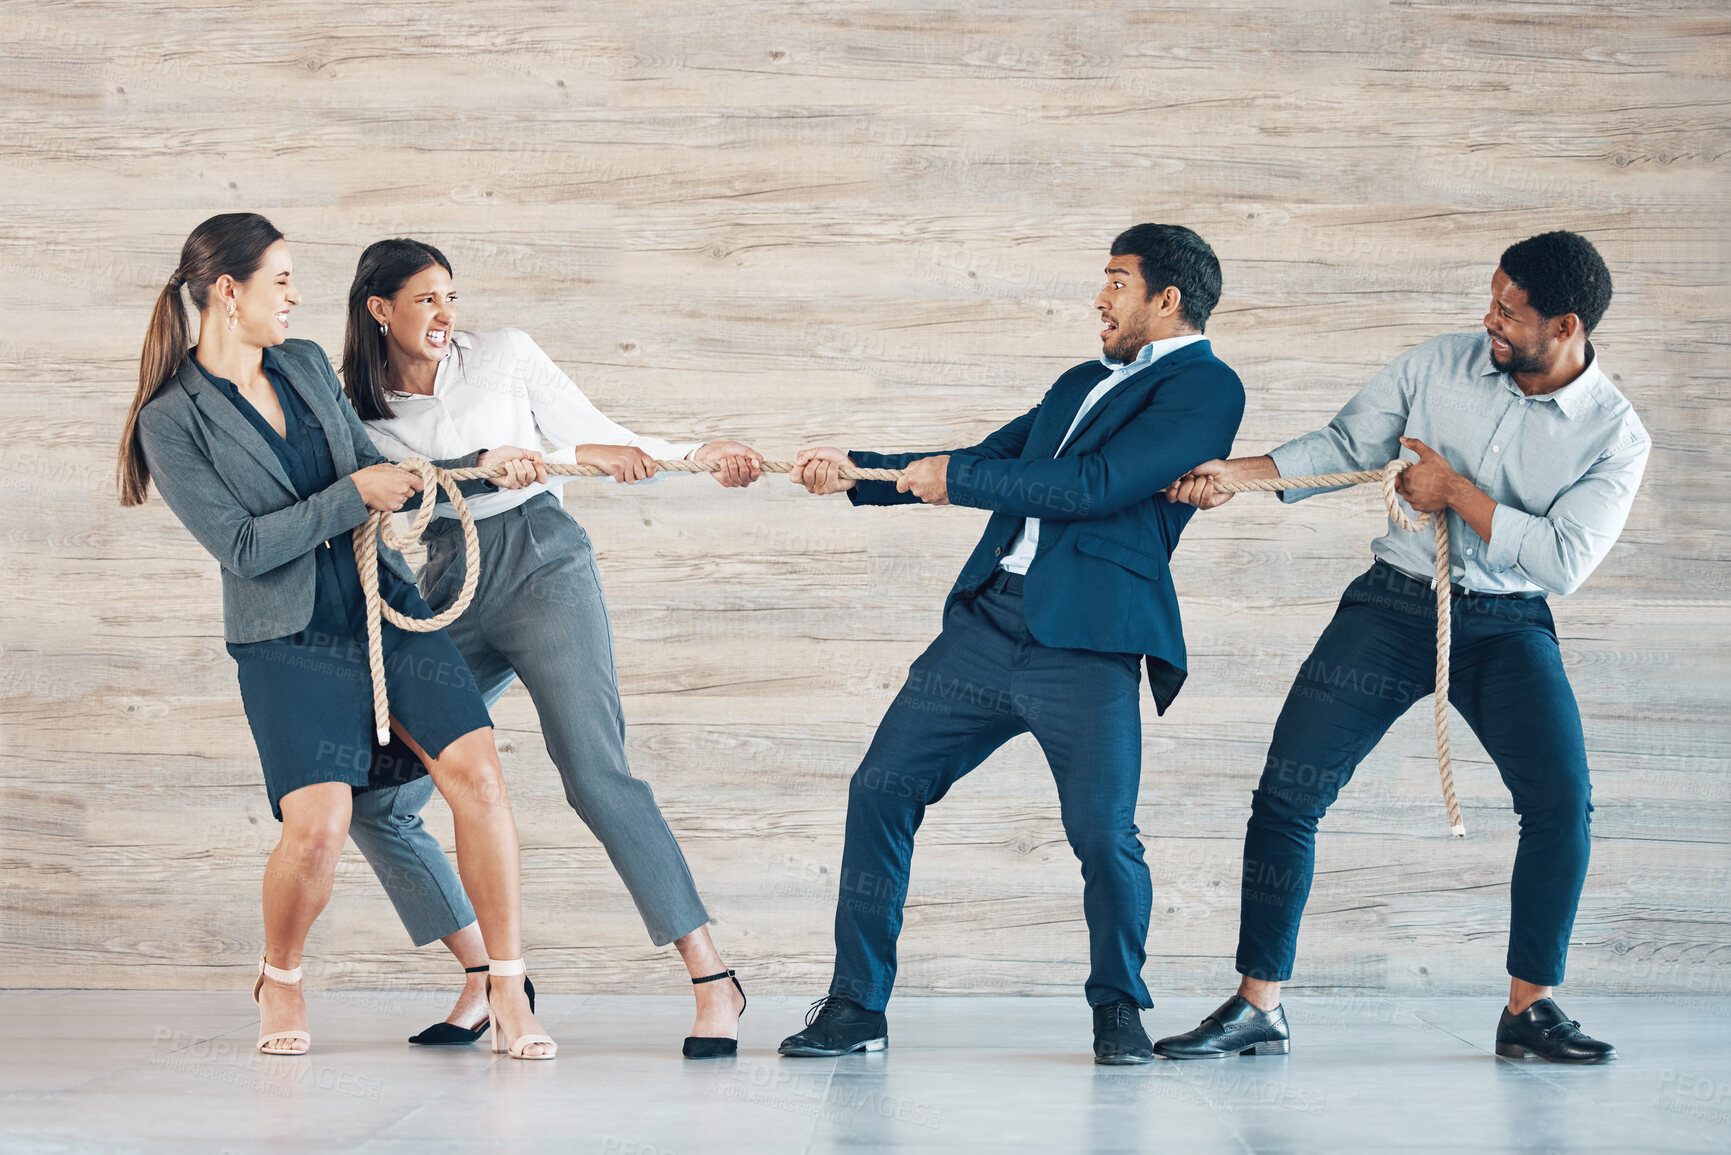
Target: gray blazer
(227,487)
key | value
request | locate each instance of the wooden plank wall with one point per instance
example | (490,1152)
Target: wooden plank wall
(877,226)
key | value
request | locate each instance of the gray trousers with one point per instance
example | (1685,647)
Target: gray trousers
(538,615)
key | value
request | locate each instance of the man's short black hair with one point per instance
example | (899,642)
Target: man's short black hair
(1172,255)
(1561,272)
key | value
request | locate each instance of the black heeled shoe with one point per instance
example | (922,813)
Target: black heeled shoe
(704,1047)
(451,1035)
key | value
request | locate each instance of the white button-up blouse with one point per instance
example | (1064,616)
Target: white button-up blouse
(495,389)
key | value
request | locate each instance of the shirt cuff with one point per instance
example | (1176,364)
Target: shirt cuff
(1508,528)
(1294,459)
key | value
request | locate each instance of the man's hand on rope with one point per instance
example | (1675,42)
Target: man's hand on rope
(384,488)
(522,466)
(1430,483)
(626,463)
(927,479)
(818,469)
(740,464)
(1197,487)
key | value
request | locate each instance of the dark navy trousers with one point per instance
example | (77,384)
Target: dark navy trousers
(983,681)
(1373,661)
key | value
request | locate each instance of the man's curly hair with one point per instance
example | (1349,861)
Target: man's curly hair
(1561,272)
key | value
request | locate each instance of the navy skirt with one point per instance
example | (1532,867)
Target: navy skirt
(309,695)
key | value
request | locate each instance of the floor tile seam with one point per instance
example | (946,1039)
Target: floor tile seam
(829,1081)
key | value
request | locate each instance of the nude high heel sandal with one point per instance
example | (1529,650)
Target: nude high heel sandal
(516,1047)
(275,1042)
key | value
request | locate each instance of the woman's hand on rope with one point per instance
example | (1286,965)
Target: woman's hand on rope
(1197,487)
(523,467)
(385,488)
(818,469)
(739,464)
(625,463)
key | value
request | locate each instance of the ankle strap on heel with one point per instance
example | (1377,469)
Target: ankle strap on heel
(506,968)
(278,975)
(712,978)
(474,970)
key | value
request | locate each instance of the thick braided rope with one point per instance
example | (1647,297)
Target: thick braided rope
(368,534)
(852,472)
(1387,475)
(366,538)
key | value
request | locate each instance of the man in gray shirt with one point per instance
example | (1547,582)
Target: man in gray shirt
(1523,443)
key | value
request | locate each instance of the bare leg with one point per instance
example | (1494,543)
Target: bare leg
(1262,995)
(1523,994)
(718,1004)
(470,951)
(468,774)
(297,885)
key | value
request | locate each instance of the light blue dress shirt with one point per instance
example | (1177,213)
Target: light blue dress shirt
(1562,467)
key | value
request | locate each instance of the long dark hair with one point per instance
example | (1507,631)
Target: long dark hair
(233,244)
(382,271)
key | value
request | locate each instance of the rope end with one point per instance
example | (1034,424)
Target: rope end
(384,736)
(1458,831)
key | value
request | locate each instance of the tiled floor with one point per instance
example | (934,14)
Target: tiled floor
(176,1072)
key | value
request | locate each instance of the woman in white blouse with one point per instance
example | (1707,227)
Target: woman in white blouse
(425,389)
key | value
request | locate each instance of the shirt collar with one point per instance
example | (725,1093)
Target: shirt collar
(268,361)
(1151,352)
(459,340)
(1572,400)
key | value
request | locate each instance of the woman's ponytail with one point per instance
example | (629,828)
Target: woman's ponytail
(165,345)
(233,244)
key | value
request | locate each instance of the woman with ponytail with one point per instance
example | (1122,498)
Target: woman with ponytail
(426,389)
(251,443)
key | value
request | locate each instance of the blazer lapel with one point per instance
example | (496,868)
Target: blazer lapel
(325,408)
(220,411)
(1117,394)
(1080,381)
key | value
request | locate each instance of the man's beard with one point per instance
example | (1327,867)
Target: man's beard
(1520,360)
(1124,344)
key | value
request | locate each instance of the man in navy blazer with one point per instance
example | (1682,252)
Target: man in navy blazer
(1047,629)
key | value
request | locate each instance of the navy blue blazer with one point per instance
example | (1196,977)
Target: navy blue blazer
(1099,580)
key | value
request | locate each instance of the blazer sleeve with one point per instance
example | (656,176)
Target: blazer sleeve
(1006,442)
(243,543)
(1191,418)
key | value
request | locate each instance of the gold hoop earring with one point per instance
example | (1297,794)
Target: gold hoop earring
(231,320)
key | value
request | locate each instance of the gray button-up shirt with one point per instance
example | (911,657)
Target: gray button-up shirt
(1562,467)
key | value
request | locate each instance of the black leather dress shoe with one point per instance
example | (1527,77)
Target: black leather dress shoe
(838,1026)
(1119,1040)
(1236,1027)
(1544,1032)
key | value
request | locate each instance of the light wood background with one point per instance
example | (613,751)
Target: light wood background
(880,227)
